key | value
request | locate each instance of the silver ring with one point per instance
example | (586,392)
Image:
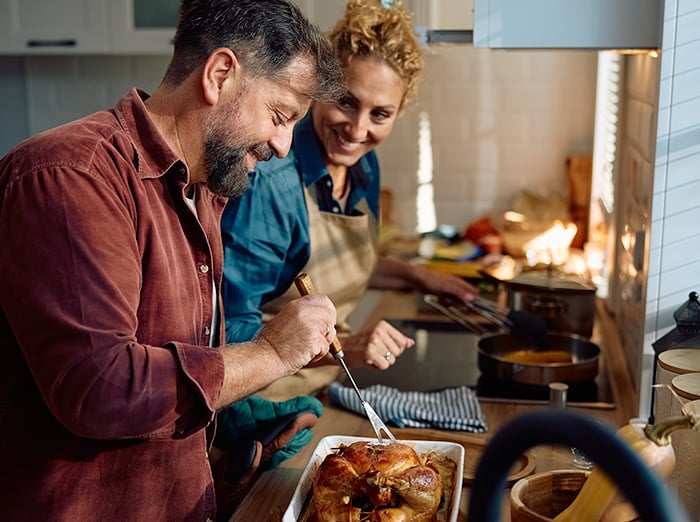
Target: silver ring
(387,356)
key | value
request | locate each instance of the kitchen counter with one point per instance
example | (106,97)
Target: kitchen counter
(272,490)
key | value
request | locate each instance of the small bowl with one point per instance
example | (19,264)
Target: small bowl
(542,496)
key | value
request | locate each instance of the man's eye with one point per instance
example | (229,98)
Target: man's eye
(282,119)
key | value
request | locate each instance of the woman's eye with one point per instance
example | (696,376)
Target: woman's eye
(380,115)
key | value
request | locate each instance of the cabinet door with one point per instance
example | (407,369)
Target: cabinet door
(143,26)
(445,15)
(323,13)
(55,27)
(5,27)
(574,24)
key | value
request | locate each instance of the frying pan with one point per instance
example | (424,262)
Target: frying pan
(561,357)
(567,358)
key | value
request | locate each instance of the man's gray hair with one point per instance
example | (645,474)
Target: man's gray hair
(265,35)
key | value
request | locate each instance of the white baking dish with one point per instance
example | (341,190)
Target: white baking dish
(328,445)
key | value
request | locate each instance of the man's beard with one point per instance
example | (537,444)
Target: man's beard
(226,173)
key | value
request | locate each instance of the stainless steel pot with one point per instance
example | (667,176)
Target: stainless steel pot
(506,357)
(565,303)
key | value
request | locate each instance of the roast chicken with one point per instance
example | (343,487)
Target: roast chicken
(376,482)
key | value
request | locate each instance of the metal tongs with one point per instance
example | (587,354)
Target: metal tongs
(454,313)
(306,287)
(521,324)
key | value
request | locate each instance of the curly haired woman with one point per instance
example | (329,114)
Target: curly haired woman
(317,210)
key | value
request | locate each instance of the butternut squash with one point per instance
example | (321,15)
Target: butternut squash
(652,442)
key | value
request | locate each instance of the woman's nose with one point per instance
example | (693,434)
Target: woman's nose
(358,126)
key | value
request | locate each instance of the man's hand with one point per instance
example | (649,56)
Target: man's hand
(301,332)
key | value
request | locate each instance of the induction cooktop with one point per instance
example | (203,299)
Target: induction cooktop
(445,355)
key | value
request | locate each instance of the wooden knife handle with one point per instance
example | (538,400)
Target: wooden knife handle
(306,287)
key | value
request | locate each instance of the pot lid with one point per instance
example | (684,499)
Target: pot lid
(688,315)
(547,281)
(553,281)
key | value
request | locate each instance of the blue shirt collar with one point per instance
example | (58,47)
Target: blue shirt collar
(308,151)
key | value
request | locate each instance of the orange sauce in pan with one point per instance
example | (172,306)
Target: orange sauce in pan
(538,356)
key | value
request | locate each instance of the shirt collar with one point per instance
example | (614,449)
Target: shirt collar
(308,151)
(153,151)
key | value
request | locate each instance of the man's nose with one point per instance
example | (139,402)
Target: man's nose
(281,142)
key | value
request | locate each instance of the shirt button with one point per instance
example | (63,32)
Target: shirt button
(336,209)
(328,183)
(207,330)
(204,268)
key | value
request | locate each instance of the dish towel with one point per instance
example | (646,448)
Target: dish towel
(449,409)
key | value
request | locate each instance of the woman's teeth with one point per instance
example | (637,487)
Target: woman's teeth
(345,143)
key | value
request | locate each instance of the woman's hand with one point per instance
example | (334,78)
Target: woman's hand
(377,346)
(448,287)
(398,274)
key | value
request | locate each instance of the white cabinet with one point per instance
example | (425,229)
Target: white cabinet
(445,15)
(53,27)
(5,28)
(323,13)
(143,26)
(87,26)
(568,24)
(115,26)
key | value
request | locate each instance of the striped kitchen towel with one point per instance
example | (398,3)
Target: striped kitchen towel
(449,409)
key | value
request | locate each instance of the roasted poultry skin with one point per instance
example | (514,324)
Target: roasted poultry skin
(376,482)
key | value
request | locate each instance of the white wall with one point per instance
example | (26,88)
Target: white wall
(674,256)
(501,121)
(63,88)
(13,102)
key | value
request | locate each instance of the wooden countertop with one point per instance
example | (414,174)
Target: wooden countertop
(272,490)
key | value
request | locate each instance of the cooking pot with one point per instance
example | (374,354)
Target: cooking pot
(565,302)
(565,357)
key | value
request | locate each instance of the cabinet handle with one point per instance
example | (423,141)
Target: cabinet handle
(52,43)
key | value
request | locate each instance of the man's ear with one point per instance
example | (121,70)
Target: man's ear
(221,67)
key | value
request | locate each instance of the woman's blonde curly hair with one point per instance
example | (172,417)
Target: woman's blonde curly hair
(384,34)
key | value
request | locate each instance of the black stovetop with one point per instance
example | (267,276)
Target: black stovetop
(445,355)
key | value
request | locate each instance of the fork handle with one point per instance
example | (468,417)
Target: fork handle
(306,287)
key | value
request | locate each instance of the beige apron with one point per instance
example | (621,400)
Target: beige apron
(342,260)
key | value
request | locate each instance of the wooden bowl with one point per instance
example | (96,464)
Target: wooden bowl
(543,496)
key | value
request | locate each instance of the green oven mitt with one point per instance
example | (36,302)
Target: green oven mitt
(260,434)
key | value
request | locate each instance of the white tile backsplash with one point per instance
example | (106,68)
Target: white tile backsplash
(683,171)
(684,198)
(501,122)
(675,237)
(687,28)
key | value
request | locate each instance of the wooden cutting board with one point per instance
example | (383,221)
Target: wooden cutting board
(473,447)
